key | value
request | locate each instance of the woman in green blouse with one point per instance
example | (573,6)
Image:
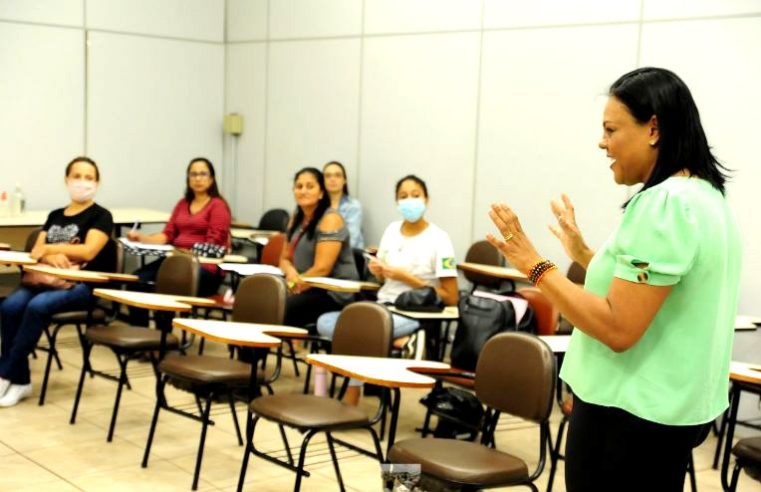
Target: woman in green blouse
(649,360)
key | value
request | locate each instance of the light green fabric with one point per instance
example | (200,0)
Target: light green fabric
(681,233)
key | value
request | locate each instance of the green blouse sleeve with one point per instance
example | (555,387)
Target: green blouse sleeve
(657,242)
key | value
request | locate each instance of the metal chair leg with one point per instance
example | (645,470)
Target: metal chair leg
(302,458)
(285,444)
(159,401)
(250,426)
(231,399)
(335,461)
(735,478)
(122,380)
(204,426)
(86,348)
(555,454)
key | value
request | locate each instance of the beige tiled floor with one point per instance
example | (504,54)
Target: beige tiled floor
(40,450)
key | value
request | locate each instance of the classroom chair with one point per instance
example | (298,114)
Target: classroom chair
(259,299)
(515,375)
(363,329)
(483,252)
(178,275)
(748,454)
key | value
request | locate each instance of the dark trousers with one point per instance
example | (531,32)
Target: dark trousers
(304,309)
(23,316)
(611,449)
(208,285)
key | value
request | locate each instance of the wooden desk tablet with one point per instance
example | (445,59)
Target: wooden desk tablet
(68,274)
(381,371)
(234,333)
(157,302)
(492,271)
(16,258)
(339,285)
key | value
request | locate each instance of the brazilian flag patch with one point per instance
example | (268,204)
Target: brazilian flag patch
(447,263)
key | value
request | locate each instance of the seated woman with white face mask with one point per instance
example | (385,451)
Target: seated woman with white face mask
(413,253)
(75,235)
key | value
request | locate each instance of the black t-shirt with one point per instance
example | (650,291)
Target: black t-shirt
(73,229)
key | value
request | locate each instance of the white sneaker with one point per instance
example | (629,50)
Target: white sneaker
(15,393)
(4,385)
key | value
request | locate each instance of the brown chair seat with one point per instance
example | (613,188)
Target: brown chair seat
(460,462)
(308,411)
(78,317)
(206,369)
(749,449)
(129,337)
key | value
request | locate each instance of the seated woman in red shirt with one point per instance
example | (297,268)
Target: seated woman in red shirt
(201,216)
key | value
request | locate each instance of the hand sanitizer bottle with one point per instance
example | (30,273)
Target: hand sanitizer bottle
(17,205)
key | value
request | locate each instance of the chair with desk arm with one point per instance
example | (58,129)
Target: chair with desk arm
(178,275)
(515,375)
(363,329)
(259,299)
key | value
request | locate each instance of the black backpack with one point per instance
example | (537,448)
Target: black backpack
(459,412)
(480,319)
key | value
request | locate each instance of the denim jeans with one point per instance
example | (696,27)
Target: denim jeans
(403,326)
(23,316)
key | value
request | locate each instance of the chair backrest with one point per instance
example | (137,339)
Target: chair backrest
(576,273)
(483,252)
(363,328)
(275,219)
(547,315)
(31,239)
(271,252)
(516,375)
(260,299)
(178,275)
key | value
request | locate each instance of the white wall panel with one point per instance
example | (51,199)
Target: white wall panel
(419,116)
(42,116)
(314,18)
(63,12)
(542,93)
(313,96)
(679,9)
(719,62)
(399,16)
(153,105)
(191,19)
(246,83)
(246,20)
(512,13)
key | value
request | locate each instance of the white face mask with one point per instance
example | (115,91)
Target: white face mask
(81,191)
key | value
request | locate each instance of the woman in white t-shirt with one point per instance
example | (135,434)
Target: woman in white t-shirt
(413,253)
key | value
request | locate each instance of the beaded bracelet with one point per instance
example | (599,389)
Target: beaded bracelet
(541,276)
(537,271)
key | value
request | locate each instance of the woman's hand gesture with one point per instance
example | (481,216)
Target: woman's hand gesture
(514,244)
(567,231)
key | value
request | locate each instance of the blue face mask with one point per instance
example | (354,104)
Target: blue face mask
(412,209)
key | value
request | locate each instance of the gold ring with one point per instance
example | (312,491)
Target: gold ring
(508,236)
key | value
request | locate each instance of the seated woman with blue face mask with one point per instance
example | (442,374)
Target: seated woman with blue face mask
(413,253)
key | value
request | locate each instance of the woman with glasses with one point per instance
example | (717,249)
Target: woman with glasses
(348,206)
(201,216)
